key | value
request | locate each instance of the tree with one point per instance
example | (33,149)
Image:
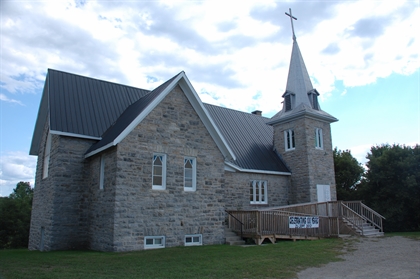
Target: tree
(392,185)
(348,173)
(15,212)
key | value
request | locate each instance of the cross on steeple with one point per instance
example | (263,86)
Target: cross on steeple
(291,21)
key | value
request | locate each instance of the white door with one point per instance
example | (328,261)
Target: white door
(324,193)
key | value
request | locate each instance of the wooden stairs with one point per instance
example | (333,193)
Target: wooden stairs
(232,238)
(364,229)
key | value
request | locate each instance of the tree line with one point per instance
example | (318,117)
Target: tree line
(390,185)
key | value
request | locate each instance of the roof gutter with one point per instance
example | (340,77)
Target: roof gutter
(228,164)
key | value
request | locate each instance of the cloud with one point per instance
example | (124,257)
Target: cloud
(236,52)
(4,98)
(15,167)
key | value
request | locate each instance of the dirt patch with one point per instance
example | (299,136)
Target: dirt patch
(385,257)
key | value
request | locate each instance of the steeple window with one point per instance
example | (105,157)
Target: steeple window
(289,100)
(313,98)
(318,139)
(289,140)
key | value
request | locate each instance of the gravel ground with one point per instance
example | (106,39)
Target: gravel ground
(385,257)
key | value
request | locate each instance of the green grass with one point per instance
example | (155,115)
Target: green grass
(413,235)
(280,260)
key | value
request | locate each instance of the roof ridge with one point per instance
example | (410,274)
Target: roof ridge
(97,79)
(236,110)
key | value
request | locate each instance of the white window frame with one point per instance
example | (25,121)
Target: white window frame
(102,173)
(155,242)
(163,160)
(259,193)
(319,140)
(193,237)
(193,162)
(47,155)
(289,140)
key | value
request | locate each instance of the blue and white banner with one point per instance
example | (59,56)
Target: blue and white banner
(299,222)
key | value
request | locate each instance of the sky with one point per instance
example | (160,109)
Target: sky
(362,57)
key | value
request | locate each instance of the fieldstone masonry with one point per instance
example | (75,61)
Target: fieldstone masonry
(70,211)
(309,166)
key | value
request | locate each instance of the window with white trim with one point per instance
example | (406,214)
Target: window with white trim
(190,174)
(258,192)
(47,152)
(318,139)
(153,242)
(289,140)
(159,172)
(193,239)
(102,173)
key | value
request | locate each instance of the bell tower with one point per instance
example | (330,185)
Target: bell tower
(302,135)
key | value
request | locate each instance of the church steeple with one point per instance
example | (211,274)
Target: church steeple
(302,135)
(300,97)
(298,81)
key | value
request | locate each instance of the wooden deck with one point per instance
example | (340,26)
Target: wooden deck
(274,223)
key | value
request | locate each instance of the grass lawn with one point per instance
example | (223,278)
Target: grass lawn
(280,260)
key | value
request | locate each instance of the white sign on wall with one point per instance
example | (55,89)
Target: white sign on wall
(299,222)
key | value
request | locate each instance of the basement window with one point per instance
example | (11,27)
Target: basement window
(154,242)
(193,239)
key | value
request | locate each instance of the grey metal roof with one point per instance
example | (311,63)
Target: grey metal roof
(80,105)
(128,116)
(250,138)
(87,106)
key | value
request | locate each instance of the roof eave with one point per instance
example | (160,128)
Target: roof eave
(235,167)
(300,114)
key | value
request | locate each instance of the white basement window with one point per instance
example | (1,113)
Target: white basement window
(193,239)
(153,242)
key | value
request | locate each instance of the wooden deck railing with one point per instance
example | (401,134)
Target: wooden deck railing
(274,222)
(328,209)
(264,223)
(366,213)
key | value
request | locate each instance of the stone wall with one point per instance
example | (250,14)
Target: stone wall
(60,203)
(102,201)
(173,128)
(309,166)
(237,190)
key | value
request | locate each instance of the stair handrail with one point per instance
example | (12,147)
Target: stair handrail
(379,224)
(348,219)
(242,224)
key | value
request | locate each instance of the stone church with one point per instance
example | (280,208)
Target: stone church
(122,168)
